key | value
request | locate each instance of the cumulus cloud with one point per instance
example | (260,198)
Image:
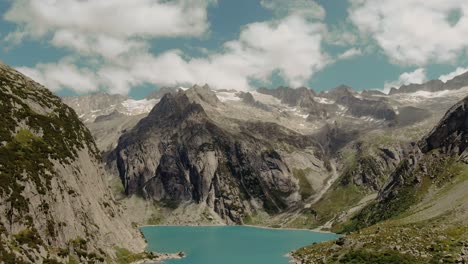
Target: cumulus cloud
(450,76)
(353,52)
(418,76)
(305,8)
(291,46)
(117,18)
(64,74)
(414,32)
(106,28)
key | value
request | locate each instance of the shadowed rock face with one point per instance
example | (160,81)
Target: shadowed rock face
(451,133)
(379,109)
(301,97)
(177,154)
(158,94)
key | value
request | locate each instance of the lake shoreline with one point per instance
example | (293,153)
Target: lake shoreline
(253,226)
(160,257)
(229,238)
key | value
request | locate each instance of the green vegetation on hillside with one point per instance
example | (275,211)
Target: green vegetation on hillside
(30,139)
(432,172)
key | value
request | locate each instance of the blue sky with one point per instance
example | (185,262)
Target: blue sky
(120,46)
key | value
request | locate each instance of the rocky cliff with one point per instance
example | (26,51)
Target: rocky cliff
(55,206)
(178,154)
(434,85)
(426,163)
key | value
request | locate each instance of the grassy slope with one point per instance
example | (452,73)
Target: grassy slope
(440,203)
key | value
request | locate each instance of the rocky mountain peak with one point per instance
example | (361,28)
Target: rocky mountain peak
(451,133)
(457,82)
(302,97)
(202,94)
(173,109)
(158,94)
(341,94)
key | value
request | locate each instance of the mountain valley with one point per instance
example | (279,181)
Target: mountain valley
(373,166)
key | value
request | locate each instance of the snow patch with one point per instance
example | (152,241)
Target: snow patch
(137,107)
(322,100)
(226,96)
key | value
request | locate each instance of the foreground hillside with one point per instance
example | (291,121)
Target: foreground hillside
(420,215)
(55,205)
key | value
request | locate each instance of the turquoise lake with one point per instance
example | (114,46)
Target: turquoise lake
(229,244)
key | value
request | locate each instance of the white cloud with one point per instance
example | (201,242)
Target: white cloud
(108,47)
(450,76)
(106,28)
(61,75)
(353,52)
(305,8)
(117,18)
(414,32)
(291,46)
(418,76)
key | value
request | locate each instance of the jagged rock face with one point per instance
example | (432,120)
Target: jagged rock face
(102,105)
(370,169)
(178,154)
(203,94)
(52,194)
(457,82)
(112,116)
(158,94)
(369,93)
(333,137)
(425,161)
(431,86)
(358,107)
(434,85)
(301,97)
(451,133)
(95,104)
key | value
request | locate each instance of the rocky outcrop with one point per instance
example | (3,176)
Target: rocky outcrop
(425,162)
(177,154)
(88,107)
(370,168)
(371,93)
(361,107)
(431,86)
(248,99)
(158,94)
(451,134)
(434,85)
(55,205)
(301,97)
(112,116)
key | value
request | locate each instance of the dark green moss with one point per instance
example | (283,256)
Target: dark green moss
(372,257)
(29,237)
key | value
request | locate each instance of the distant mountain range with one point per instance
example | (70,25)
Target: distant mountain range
(241,153)
(380,168)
